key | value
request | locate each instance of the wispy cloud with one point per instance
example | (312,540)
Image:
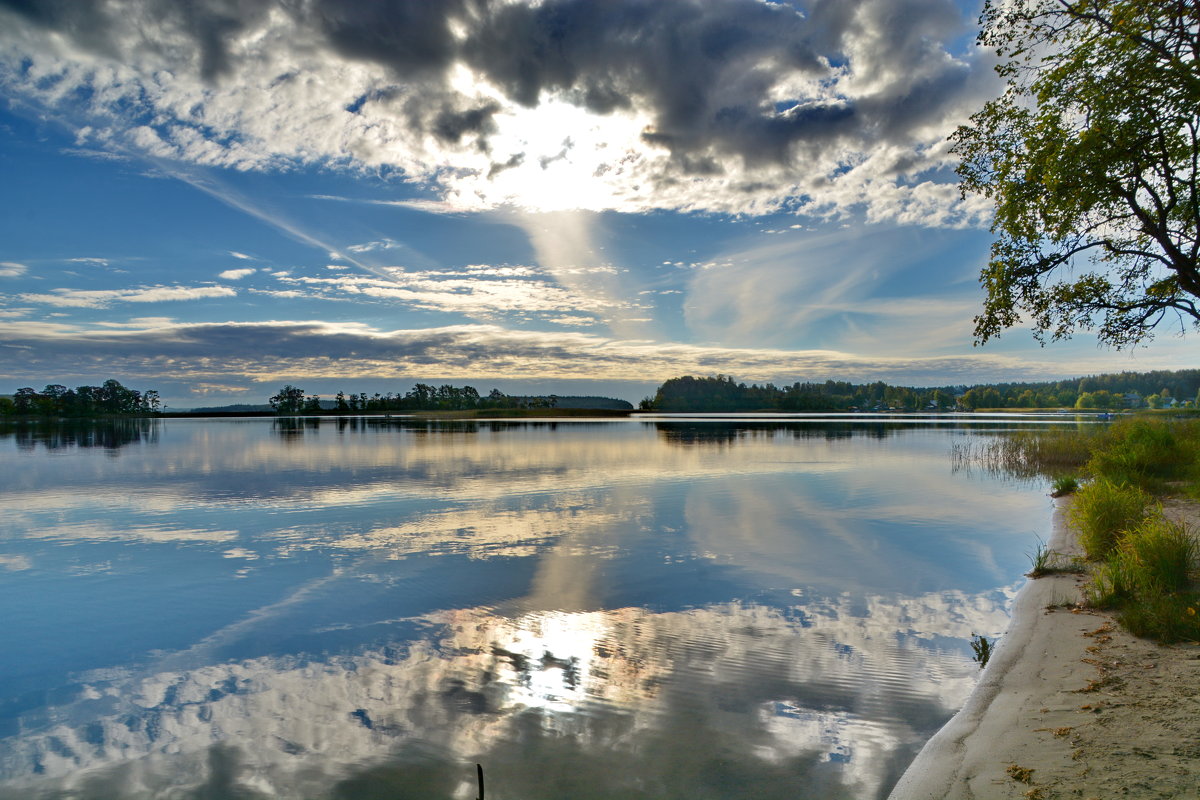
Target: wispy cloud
(477,291)
(834,289)
(101,298)
(12,269)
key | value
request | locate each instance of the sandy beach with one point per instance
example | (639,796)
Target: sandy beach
(1070,706)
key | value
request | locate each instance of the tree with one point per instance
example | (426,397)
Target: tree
(1090,157)
(289,400)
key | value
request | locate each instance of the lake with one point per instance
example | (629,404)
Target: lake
(359,608)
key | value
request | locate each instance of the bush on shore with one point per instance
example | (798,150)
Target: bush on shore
(1147,564)
(1147,453)
(1103,511)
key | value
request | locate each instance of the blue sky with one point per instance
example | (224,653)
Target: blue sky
(216,198)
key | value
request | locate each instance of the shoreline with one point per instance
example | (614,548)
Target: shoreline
(1069,705)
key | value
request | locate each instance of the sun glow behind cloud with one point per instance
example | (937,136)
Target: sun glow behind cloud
(734,107)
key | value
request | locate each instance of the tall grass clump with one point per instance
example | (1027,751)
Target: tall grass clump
(1162,554)
(1147,453)
(1063,485)
(1155,557)
(1147,578)
(1166,618)
(1103,511)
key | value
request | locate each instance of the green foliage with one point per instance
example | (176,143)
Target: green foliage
(1155,557)
(1113,582)
(424,397)
(1090,157)
(1165,618)
(1162,555)
(722,393)
(1044,561)
(1147,579)
(56,400)
(1063,485)
(1147,452)
(1100,400)
(290,400)
(1103,511)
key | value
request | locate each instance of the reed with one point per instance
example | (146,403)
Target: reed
(1047,452)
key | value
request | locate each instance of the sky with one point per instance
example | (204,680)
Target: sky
(216,198)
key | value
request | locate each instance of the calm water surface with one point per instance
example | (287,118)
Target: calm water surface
(610,609)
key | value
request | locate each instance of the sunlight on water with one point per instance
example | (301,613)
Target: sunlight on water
(360,608)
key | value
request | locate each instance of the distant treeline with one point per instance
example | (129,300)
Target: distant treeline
(722,393)
(56,400)
(423,397)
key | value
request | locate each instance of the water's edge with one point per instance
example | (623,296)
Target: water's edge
(946,763)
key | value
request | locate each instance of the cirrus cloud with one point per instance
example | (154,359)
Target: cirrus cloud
(101,298)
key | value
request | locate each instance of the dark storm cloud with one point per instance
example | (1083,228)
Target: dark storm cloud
(100,27)
(706,71)
(410,37)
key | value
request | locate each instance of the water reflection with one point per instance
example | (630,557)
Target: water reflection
(109,434)
(357,608)
(735,699)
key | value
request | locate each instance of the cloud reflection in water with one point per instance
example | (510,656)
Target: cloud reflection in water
(588,610)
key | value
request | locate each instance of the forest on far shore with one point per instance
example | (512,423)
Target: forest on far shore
(1158,389)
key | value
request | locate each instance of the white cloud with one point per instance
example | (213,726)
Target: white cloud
(12,269)
(236,274)
(367,247)
(846,107)
(242,256)
(479,291)
(100,298)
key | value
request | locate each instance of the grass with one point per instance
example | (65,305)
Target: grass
(1063,485)
(1103,511)
(1146,452)
(1164,618)
(1144,566)
(1045,561)
(1147,579)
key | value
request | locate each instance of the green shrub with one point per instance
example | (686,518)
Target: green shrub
(1064,485)
(1113,582)
(1165,618)
(1103,511)
(1162,555)
(1146,453)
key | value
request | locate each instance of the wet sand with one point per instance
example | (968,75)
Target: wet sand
(1070,706)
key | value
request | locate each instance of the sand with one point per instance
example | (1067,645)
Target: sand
(1070,706)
